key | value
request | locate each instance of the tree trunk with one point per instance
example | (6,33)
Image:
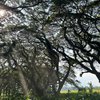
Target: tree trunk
(23,81)
(98,76)
(63,81)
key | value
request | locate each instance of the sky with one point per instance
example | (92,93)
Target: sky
(87,78)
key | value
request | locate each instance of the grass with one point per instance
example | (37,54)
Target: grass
(77,96)
(96,90)
(83,95)
(76,91)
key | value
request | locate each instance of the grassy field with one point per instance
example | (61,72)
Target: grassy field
(96,90)
(83,95)
(76,91)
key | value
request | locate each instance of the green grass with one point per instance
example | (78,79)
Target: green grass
(96,90)
(76,91)
(77,96)
(83,95)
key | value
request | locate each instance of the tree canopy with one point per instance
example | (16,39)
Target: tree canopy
(42,42)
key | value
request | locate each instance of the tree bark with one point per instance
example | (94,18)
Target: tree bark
(23,81)
(98,76)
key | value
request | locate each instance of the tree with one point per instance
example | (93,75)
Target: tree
(80,29)
(45,39)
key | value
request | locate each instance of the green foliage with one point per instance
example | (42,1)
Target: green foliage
(67,96)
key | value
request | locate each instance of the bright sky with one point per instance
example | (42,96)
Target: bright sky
(87,78)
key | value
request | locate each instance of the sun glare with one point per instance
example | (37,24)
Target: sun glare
(2,13)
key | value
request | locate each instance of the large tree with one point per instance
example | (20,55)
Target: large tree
(27,47)
(80,26)
(49,39)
